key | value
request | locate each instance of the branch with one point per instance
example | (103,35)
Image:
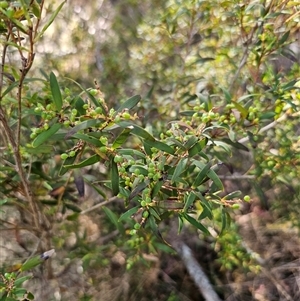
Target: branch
(196,272)
(99,205)
(270,125)
(18,166)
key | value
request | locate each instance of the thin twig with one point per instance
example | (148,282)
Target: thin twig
(244,58)
(99,205)
(270,125)
(236,177)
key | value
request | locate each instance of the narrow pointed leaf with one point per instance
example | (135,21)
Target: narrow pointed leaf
(232,195)
(156,188)
(44,136)
(128,213)
(154,213)
(82,126)
(114,177)
(131,152)
(161,146)
(36,9)
(180,224)
(139,188)
(90,96)
(72,207)
(90,161)
(241,109)
(121,138)
(180,167)
(89,139)
(96,188)
(236,144)
(214,177)
(195,223)
(50,21)
(137,130)
(191,142)
(113,218)
(68,161)
(189,202)
(55,90)
(202,175)
(129,103)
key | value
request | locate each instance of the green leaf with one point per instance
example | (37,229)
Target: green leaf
(90,161)
(19,292)
(55,90)
(131,152)
(154,227)
(284,38)
(44,136)
(21,280)
(2,202)
(206,206)
(195,149)
(49,202)
(42,149)
(156,189)
(180,224)
(205,213)
(72,207)
(236,144)
(227,95)
(161,146)
(121,138)
(49,22)
(68,161)
(245,97)
(10,88)
(191,142)
(137,130)
(17,23)
(31,263)
(90,96)
(142,169)
(241,109)
(203,173)
(139,188)
(223,145)
(165,248)
(73,217)
(89,139)
(113,218)
(267,116)
(214,177)
(233,195)
(189,202)
(129,103)
(79,103)
(195,223)
(83,126)
(154,213)
(180,167)
(128,213)
(25,12)
(96,188)
(36,9)
(225,218)
(114,177)
(30,296)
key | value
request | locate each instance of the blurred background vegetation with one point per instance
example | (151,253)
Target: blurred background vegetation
(232,62)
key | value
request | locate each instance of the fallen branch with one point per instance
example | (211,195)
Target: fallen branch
(196,272)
